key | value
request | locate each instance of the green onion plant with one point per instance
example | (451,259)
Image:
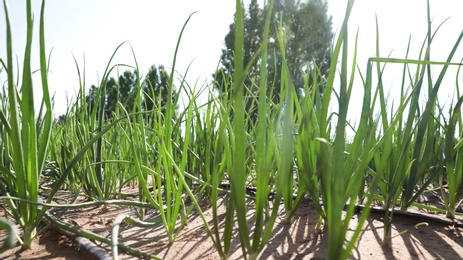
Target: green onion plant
(426,126)
(453,193)
(409,155)
(200,154)
(12,231)
(28,130)
(342,170)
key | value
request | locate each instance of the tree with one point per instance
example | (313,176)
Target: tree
(308,43)
(125,90)
(122,90)
(253,30)
(112,97)
(90,98)
(155,89)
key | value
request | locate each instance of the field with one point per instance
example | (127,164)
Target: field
(238,176)
(300,239)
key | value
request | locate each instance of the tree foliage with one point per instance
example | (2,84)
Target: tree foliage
(124,89)
(308,37)
(156,89)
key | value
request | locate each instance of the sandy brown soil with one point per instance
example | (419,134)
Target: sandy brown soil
(51,245)
(298,240)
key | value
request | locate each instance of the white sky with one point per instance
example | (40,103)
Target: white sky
(94,29)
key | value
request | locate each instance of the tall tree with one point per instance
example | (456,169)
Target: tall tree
(155,88)
(112,97)
(90,98)
(252,36)
(308,43)
(124,90)
(128,89)
(310,39)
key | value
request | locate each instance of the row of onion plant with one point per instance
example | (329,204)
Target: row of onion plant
(293,150)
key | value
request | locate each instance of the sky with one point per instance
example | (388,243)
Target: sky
(91,30)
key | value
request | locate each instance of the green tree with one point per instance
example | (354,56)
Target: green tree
(127,91)
(91,98)
(155,89)
(112,97)
(308,43)
(310,40)
(124,90)
(253,31)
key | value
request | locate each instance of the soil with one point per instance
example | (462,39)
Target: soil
(436,239)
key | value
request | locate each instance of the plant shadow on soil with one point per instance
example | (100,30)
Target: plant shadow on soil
(298,240)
